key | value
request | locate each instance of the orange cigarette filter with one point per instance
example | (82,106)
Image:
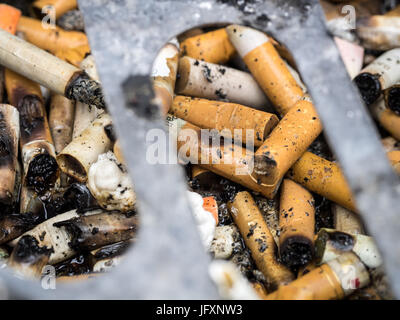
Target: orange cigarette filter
(324,178)
(394,158)
(260,290)
(75,55)
(9,17)
(267,67)
(50,39)
(60,6)
(210,205)
(390,121)
(225,117)
(297,224)
(213,47)
(258,239)
(285,145)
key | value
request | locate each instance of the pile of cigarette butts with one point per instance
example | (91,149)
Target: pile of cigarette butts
(286,229)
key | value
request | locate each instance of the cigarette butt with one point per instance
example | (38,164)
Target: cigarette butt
(164,73)
(392,96)
(306,269)
(258,239)
(210,205)
(346,221)
(77,157)
(386,117)
(327,282)
(189,33)
(29,201)
(59,6)
(28,258)
(78,278)
(352,56)
(9,138)
(260,290)
(9,17)
(50,39)
(13,225)
(379,75)
(297,224)
(216,82)
(225,117)
(61,121)
(74,55)
(222,246)
(106,264)
(286,143)
(213,46)
(48,70)
(394,158)
(331,243)
(324,178)
(94,231)
(390,144)
(267,67)
(203,177)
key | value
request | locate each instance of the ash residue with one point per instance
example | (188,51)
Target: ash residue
(42,173)
(72,20)
(27,250)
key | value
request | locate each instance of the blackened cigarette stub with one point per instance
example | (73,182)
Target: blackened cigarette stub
(28,257)
(60,6)
(346,221)
(77,157)
(286,143)
(9,138)
(79,196)
(297,224)
(331,243)
(392,98)
(38,153)
(324,178)
(225,117)
(203,176)
(108,257)
(61,121)
(327,282)
(267,66)
(13,225)
(48,70)
(164,73)
(386,117)
(212,81)
(213,47)
(258,239)
(379,75)
(72,20)
(49,39)
(94,231)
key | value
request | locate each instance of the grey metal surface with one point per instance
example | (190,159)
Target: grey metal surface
(168,260)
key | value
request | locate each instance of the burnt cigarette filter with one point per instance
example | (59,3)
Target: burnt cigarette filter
(386,118)
(110,184)
(164,73)
(379,75)
(225,117)
(77,157)
(13,225)
(267,67)
(9,139)
(258,239)
(94,231)
(28,258)
(48,70)
(60,6)
(72,20)
(297,224)
(285,144)
(217,82)
(37,149)
(333,280)
(49,39)
(331,243)
(324,178)
(213,46)
(346,221)
(392,98)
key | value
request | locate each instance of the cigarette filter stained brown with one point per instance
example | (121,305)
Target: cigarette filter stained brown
(164,73)
(9,138)
(324,178)
(327,282)
(387,118)
(225,117)
(297,224)
(258,239)
(189,33)
(203,176)
(267,66)
(213,81)
(38,153)
(13,225)
(286,143)
(346,221)
(51,39)
(213,47)
(60,6)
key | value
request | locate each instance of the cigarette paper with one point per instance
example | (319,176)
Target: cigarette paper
(297,224)
(213,47)
(223,242)
(352,56)
(346,221)
(216,82)
(60,6)
(267,67)
(258,239)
